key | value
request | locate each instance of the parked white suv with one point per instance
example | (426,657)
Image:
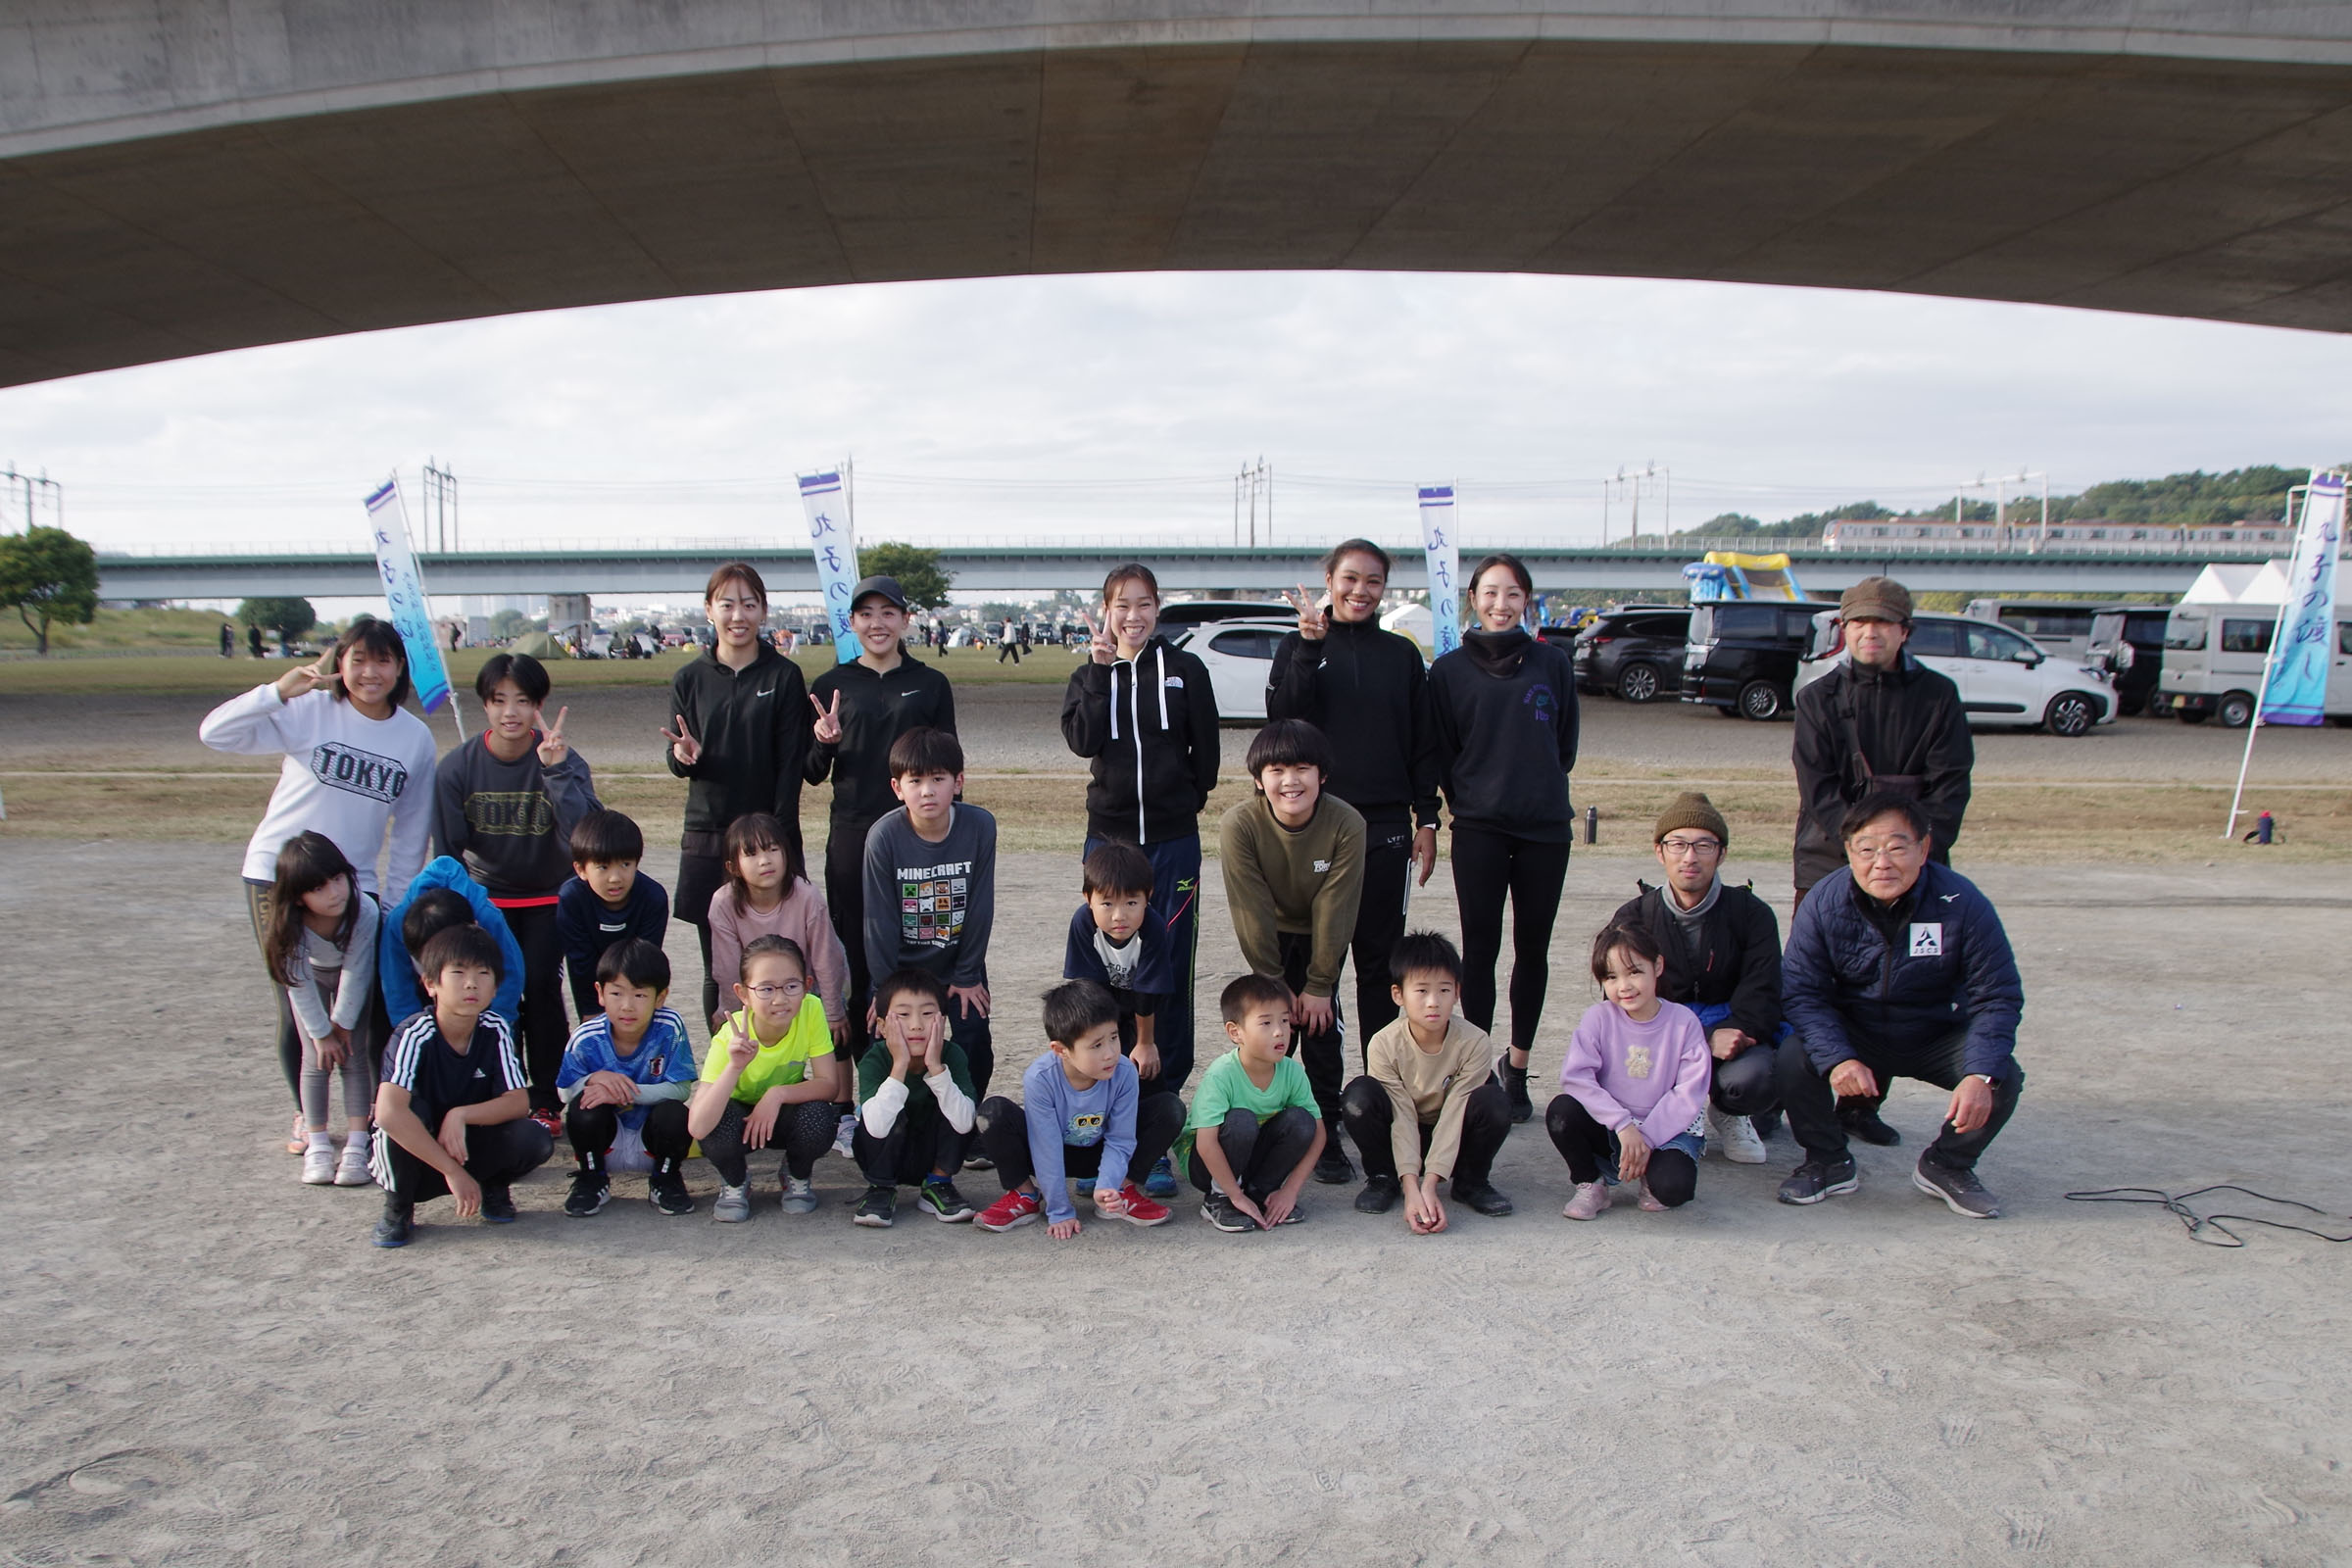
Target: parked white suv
(1239,656)
(2005,680)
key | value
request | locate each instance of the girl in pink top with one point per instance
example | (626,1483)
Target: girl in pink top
(769,894)
(1635,1083)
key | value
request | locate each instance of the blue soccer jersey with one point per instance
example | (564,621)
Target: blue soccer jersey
(664,1059)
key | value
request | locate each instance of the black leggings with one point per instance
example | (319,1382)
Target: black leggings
(1260,1156)
(593,1128)
(1323,1055)
(1004,1138)
(1672,1177)
(1487,865)
(804,1131)
(845,902)
(1378,923)
(546,1027)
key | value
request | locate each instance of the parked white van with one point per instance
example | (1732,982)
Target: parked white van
(2218,638)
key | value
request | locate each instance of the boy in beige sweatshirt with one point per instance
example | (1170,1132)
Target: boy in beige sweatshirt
(1428,1108)
(1294,863)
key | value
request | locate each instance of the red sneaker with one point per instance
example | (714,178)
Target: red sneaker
(552,1120)
(1139,1209)
(1016,1208)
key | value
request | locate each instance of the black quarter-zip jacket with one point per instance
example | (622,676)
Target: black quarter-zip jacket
(753,727)
(875,711)
(1368,692)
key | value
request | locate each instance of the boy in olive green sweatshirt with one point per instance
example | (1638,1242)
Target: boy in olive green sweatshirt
(1293,864)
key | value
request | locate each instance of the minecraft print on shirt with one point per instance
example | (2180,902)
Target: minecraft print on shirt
(931,910)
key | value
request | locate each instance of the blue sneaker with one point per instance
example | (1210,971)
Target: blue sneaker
(398,1225)
(1161,1183)
(1085,1186)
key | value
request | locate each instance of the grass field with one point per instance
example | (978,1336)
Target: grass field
(197,630)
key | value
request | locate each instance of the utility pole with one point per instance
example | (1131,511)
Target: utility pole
(1253,479)
(440,506)
(34,489)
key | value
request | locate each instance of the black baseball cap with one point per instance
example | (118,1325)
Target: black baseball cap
(887,587)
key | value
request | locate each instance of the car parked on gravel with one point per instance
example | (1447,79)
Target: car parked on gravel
(1635,652)
(2005,680)
(1239,656)
(1741,656)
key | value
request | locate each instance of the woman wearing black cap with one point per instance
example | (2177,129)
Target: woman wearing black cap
(740,740)
(861,707)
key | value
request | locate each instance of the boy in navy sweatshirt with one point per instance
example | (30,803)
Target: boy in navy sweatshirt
(1118,943)
(1081,1114)
(608,901)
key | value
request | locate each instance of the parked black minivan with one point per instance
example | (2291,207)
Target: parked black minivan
(1635,652)
(1741,656)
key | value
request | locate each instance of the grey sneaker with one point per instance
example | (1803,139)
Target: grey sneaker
(1961,1192)
(733,1205)
(800,1195)
(1218,1211)
(1814,1181)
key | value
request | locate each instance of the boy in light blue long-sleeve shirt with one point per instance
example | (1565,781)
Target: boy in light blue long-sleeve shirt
(1082,1114)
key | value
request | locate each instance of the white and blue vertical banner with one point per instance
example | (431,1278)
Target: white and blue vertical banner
(404,593)
(835,542)
(2305,648)
(1444,568)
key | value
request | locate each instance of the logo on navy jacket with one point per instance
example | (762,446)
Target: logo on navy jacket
(1539,702)
(347,768)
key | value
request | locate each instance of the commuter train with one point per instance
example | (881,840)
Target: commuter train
(2093,534)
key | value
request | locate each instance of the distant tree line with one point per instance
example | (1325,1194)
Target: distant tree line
(2178,500)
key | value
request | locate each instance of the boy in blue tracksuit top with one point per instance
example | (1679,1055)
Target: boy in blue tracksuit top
(623,1082)
(1898,967)
(1081,1114)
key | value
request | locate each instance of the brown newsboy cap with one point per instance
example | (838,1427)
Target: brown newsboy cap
(1875,599)
(1693,810)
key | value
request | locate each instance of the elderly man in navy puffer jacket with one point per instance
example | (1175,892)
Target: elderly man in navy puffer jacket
(1898,967)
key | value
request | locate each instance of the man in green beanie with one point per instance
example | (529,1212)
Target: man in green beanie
(1723,961)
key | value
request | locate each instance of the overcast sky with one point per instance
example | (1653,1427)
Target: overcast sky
(1122,406)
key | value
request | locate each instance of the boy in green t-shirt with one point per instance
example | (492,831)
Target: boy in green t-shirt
(1254,1132)
(769,1081)
(915,1103)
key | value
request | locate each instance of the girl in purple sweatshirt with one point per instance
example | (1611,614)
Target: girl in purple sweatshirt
(1635,1083)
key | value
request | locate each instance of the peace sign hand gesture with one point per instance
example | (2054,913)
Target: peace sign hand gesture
(1103,649)
(303,679)
(553,748)
(1310,618)
(828,721)
(682,743)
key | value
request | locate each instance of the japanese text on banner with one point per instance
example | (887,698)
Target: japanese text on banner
(2297,691)
(1444,568)
(835,542)
(403,594)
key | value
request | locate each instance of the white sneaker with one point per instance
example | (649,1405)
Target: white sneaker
(318,1163)
(353,1170)
(1736,1137)
(843,1133)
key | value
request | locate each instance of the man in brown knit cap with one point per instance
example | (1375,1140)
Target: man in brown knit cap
(1723,961)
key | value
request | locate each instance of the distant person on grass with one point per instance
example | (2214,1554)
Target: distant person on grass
(1144,717)
(609,900)
(626,1075)
(1082,1114)
(505,803)
(1428,1108)
(1634,1089)
(1253,1131)
(768,894)
(357,767)
(453,1113)
(931,892)
(1116,941)
(915,1103)
(1294,863)
(769,1081)
(740,740)
(1898,967)
(321,946)
(1722,947)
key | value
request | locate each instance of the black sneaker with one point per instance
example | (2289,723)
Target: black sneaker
(877,1207)
(1379,1195)
(944,1202)
(1861,1119)
(1514,1087)
(1815,1180)
(498,1207)
(1331,1166)
(1961,1192)
(397,1227)
(1218,1211)
(1296,1215)
(1485,1199)
(667,1190)
(591,1190)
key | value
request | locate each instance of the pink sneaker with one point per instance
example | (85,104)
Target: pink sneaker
(1650,1205)
(1591,1199)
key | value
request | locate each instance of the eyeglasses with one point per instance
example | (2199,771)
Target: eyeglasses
(771,993)
(1890,849)
(1704,849)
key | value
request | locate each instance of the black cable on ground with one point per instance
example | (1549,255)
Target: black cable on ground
(2208,1228)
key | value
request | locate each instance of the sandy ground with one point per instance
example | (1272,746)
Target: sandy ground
(207,1364)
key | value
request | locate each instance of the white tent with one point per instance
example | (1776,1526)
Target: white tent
(1413,621)
(2239,583)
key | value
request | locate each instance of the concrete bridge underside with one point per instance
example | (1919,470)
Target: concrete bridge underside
(191,176)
